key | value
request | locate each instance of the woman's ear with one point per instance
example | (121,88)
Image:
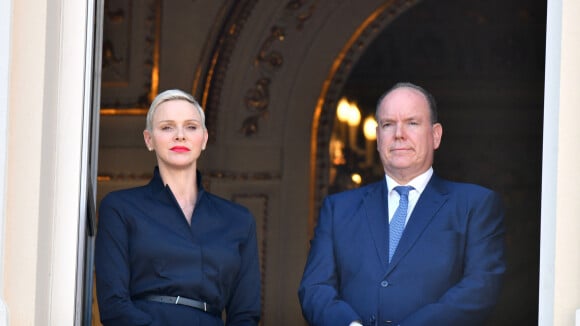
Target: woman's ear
(206,137)
(148,141)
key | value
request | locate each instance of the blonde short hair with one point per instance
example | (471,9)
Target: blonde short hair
(172,95)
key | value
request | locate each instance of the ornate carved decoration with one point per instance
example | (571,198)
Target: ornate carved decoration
(257,100)
(115,18)
(119,34)
(237,13)
(250,176)
(207,175)
(269,60)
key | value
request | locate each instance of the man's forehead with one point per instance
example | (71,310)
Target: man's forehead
(405,93)
(414,108)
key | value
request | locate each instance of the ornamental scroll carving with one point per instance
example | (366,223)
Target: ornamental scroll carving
(129,54)
(269,60)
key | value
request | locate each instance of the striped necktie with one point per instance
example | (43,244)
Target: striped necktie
(397,224)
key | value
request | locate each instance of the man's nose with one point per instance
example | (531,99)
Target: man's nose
(399,130)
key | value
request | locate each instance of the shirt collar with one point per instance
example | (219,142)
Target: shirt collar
(160,188)
(418,183)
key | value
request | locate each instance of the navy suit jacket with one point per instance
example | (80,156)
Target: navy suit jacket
(447,269)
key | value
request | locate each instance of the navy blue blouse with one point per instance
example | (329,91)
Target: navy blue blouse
(144,246)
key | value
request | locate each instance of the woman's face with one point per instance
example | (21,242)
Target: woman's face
(177,135)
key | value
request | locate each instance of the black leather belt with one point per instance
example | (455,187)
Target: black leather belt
(184,301)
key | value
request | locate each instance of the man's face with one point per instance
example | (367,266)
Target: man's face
(406,138)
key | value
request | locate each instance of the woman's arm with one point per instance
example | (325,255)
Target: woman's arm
(244,305)
(112,266)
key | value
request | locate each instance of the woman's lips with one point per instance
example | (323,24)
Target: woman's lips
(180,149)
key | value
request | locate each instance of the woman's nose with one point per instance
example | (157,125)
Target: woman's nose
(179,134)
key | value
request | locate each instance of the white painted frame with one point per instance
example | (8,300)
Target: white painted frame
(5,33)
(559,288)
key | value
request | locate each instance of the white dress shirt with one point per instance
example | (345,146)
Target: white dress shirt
(418,183)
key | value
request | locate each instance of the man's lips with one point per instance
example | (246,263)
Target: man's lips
(180,149)
(399,149)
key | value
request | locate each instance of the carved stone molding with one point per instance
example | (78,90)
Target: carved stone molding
(218,62)
(130,32)
(270,58)
(206,174)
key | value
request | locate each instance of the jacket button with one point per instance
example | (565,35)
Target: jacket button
(384,284)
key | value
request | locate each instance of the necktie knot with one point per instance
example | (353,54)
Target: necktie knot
(403,190)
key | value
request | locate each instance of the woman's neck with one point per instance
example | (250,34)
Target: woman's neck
(183,185)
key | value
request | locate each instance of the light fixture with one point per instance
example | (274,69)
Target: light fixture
(352,163)
(370,128)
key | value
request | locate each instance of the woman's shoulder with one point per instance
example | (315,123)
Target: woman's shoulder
(221,202)
(227,207)
(124,195)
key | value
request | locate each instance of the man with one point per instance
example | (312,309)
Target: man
(446,268)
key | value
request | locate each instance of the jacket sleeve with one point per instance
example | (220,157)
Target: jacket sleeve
(318,293)
(470,301)
(244,305)
(112,268)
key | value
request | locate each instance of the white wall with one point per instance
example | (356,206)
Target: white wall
(5,25)
(44,173)
(559,260)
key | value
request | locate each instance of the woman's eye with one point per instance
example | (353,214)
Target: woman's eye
(165,128)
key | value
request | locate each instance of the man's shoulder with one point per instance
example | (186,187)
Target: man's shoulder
(357,192)
(459,186)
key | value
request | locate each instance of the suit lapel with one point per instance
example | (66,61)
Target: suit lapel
(375,204)
(431,200)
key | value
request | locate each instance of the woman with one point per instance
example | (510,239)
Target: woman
(170,253)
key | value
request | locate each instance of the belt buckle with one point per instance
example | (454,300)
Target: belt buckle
(204,306)
(177,300)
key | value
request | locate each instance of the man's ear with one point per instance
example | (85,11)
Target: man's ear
(437,134)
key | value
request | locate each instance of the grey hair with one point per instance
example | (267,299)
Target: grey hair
(172,95)
(428,97)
